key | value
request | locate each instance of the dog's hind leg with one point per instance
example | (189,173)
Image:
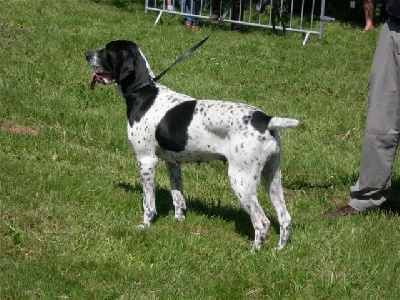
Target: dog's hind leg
(271,179)
(147,170)
(244,183)
(175,179)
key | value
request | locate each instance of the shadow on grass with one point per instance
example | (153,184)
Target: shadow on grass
(392,205)
(121,4)
(164,206)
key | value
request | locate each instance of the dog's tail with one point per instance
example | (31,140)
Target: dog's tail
(281,123)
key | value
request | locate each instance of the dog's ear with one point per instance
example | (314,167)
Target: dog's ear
(124,65)
(121,57)
(128,64)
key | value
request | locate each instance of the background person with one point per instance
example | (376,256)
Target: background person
(190,7)
(236,13)
(369,14)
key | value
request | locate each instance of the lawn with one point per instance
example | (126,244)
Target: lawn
(70,192)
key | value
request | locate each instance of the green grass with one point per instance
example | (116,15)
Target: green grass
(70,190)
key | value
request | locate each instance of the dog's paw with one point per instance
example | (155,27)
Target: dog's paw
(180,218)
(256,248)
(277,249)
(180,214)
(141,226)
(259,238)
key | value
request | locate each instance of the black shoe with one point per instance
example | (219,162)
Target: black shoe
(342,212)
(236,28)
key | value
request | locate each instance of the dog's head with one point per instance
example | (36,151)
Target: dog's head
(121,62)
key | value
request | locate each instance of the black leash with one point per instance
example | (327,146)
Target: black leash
(275,12)
(195,47)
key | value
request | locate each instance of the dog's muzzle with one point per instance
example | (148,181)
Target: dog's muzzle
(99,76)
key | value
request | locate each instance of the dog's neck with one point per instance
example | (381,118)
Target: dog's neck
(129,85)
(139,102)
(141,77)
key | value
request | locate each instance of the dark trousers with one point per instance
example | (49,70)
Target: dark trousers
(236,10)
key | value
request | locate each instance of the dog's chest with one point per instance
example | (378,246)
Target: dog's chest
(142,131)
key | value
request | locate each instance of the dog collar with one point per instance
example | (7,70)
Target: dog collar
(136,87)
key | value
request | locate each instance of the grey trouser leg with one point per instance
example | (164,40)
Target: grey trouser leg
(381,135)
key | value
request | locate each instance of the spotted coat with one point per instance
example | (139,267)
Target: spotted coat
(163,124)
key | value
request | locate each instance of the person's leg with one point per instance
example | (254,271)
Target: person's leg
(382,127)
(215,9)
(185,9)
(381,135)
(195,8)
(237,14)
(369,14)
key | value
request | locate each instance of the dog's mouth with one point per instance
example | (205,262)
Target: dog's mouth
(102,78)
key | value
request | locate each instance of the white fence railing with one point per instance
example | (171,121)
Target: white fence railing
(297,15)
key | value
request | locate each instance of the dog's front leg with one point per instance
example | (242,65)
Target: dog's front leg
(147,169)
(175,178)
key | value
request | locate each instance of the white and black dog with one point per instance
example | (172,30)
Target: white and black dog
(178,129)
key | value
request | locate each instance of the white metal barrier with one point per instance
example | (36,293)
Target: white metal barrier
(297,15)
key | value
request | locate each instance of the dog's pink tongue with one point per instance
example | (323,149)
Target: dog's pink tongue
(93,81)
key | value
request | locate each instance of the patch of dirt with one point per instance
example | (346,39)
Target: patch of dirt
(17,129)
